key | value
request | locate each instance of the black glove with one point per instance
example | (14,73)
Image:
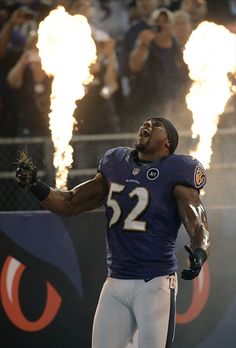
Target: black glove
(197,259)
(26,172)
(26,177)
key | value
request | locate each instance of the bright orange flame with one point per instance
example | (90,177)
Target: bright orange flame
(67,50)
(210,54)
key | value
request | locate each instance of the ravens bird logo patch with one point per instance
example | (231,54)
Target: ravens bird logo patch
(199,176)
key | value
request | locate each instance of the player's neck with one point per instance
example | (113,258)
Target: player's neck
(149,157)
(142,162)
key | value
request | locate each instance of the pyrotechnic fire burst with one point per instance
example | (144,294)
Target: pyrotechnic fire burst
(67,50)
(210,54)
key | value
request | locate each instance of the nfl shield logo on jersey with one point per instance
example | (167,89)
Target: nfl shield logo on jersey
(152,173)
(136,171)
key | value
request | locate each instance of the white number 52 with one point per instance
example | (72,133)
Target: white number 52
(130,222)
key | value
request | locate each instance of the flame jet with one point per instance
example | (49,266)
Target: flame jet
(211,55)
(67,50)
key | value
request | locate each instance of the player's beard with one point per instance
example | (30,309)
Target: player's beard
(142,147)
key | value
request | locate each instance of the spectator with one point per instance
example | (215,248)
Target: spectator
(182,27)
(144,9)
(8,33)
(197,10)
(112,17)
(11,46)
(32,90)
(140,16)
(96,112)
(166,3)
(17,19)
(158,69)
(20,21)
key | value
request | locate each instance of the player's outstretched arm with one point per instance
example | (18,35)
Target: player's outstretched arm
(194,218)
(86,196)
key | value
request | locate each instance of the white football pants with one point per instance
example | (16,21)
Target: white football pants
(129,304)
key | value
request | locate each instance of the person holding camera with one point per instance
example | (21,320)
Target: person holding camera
(12,41)
(157,66)
(31,89)
(11,33)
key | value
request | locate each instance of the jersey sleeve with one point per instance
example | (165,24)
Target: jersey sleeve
(190,172)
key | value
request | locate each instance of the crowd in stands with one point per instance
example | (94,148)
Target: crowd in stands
(139,70)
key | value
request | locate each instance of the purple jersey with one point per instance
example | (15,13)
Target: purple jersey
(142,214)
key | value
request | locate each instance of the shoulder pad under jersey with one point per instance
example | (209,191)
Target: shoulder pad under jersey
(188,171)
(113,156)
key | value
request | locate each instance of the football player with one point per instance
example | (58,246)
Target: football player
(148,192)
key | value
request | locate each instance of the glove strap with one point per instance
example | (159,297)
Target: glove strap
(200,253)
(40,190)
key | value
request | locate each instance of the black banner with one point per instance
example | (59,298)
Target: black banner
(52,270)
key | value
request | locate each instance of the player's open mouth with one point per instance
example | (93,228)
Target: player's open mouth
(145,133)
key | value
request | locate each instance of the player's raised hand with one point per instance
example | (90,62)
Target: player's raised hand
(196,259)
(26,172)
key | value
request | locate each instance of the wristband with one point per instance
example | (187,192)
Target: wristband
(40,190)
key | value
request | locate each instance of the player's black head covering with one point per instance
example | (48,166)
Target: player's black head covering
(171,131)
